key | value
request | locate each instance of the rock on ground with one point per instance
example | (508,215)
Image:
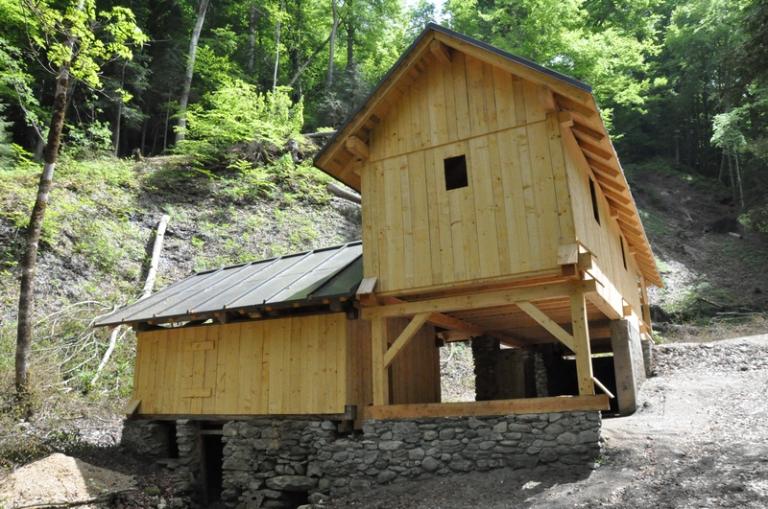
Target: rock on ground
(61,479)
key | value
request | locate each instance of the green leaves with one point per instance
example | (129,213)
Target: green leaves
(237,113)
(81,38)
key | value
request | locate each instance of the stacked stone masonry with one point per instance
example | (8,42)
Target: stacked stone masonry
(274,463)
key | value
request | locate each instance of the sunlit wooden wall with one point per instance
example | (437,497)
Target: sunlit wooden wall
(299,365)
(513,215)
(291,365)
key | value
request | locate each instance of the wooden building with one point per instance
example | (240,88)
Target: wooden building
(493,205)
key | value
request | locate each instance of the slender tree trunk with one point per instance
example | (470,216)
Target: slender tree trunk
(184,100)
(34,231)
(332,42)
(119,118)
(143,142)
(308,61)
(278,26)
(252,19)
(731,179)
(721,173)
(165,128)
(738,180)
(350,44)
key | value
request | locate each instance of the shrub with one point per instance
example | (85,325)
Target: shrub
(237,113)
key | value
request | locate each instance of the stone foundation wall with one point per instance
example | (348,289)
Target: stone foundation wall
(276,463)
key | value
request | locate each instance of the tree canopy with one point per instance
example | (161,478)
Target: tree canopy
(674,79)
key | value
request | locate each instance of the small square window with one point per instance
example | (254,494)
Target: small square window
(455,172)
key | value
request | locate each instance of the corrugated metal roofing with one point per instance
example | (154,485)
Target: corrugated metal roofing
(299,278)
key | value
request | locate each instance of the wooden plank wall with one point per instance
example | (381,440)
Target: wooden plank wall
(291,365)
(601,239)
(509,220)
(414,375)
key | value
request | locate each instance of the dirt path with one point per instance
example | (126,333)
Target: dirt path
(699,441)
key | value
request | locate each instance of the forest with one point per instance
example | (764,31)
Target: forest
(683,80)
(231,85)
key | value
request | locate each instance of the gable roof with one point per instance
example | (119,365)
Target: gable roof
(302,279)
(342,154)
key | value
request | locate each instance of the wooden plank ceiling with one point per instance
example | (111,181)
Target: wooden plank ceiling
(344,154)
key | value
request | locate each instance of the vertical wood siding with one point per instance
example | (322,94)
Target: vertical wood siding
(602,239)
(514,213)
(294,365)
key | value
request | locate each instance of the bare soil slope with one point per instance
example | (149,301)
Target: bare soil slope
(699,440)
(710,263)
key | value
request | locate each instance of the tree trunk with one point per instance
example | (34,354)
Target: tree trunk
(34,231)
(184,100)
(731,179)
(738,180)
(306,63)
(277,47)
(119,118)
(350,44)
(253,19)
(332,47)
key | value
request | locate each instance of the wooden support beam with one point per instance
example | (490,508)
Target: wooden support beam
(479,300)
(600,166)
(644,304)
(580,327)
(607,182)
(592,148)
(547,99)
(567,104)
(365,291)
(440,51)
(380,374)
(565,118)
(621,198)
(568,254)
(493,407)
(603,388)
(356,147)
(550,325)
(408,333)
(578,127)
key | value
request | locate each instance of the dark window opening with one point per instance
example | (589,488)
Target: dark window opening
(593,194)
(623,256)
(212,449)
(455,172)
(166,432)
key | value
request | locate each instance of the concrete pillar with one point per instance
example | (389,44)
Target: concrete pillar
(627,363)
(485,351)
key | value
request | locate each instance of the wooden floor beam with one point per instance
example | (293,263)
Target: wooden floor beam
(479,300)
(493,407)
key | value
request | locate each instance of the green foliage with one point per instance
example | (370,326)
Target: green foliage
(237,113)
(100,35)
(88,141)
(612,57)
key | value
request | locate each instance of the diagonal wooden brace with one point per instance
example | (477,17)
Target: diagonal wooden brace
(408,333)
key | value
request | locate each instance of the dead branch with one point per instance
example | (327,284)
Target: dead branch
(149,285)
(344,194)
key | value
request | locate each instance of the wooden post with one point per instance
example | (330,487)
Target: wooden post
(582,349)
(379,371)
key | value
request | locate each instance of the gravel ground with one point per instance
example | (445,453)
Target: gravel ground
(700,440)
